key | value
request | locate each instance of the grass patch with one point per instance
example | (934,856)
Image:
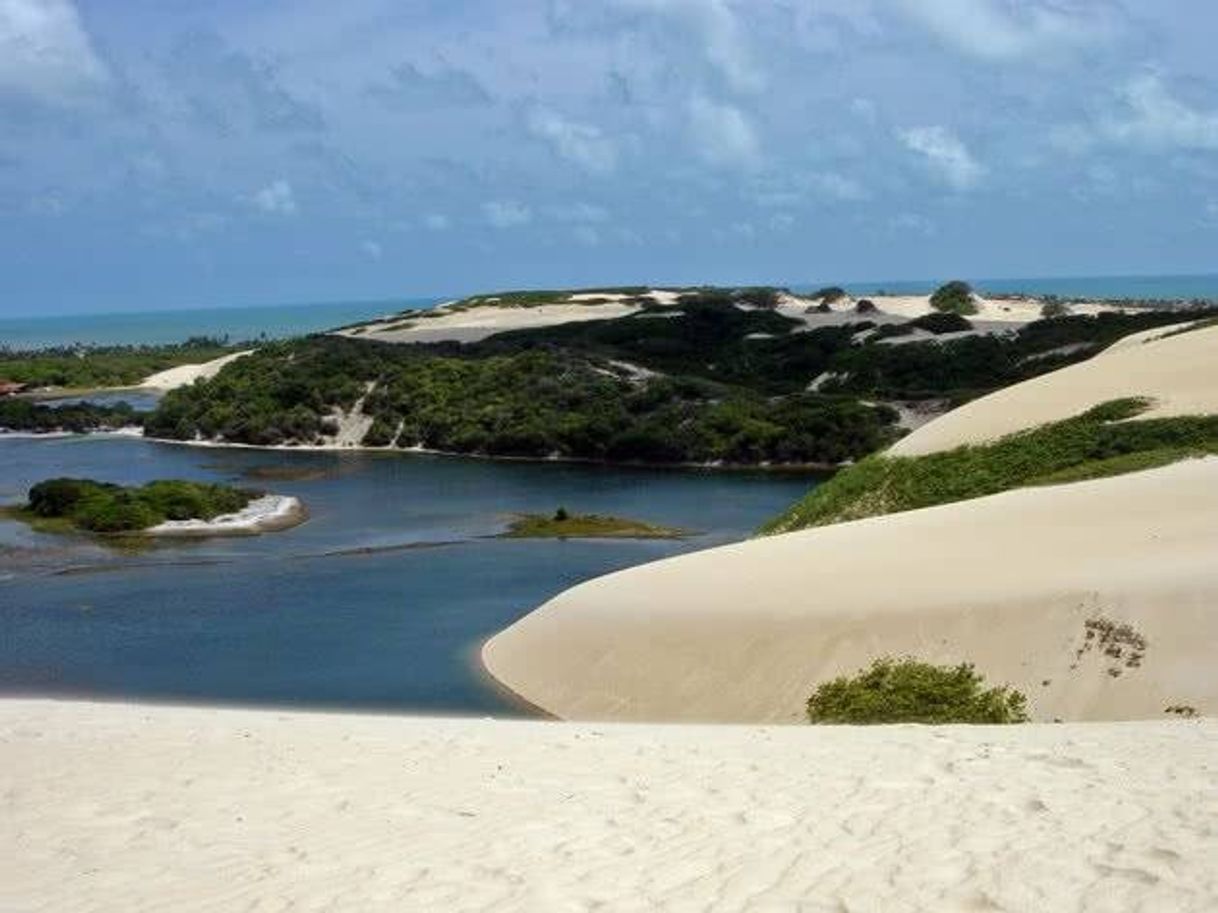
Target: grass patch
(909,691)
(1098,443)
(562,525)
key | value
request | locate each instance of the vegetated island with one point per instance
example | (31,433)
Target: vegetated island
(564,525)
(167,507)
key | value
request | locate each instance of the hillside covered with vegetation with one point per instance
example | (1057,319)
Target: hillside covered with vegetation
(61,505)
(536,402)
(1099,442)
(719,377)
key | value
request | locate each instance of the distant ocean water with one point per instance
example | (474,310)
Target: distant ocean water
(1144,287)
(158,327)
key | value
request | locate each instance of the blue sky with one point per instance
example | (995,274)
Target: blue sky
(173,153)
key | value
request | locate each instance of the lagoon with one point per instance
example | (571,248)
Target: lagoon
(380,600)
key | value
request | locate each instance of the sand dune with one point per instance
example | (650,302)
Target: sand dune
(1180,372)
(139,808)
(183,375)
(475,324)
(1009,582)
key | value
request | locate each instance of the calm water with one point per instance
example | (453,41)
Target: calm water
(380,600)
(157,327)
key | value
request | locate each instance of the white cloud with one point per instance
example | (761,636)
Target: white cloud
(1153,118)
(46,54)
(912,222)
(436,221)
(372,249)
(276,198)
(838,186)
(715,31)
(723,134)
(780,221)
(506,214)
(945,154)
(1001,30)
(582,144)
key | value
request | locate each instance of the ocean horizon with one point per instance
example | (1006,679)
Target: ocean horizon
(278,321)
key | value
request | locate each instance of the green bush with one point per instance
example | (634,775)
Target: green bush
(909,691)
(103,507)
(955,297)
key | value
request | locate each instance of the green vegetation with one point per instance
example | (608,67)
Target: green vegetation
(1099,442)
(564,525)
(63,504)
(908,691)
(82,367)
(24,415)
(1053,307)
(829,294)
(955,297)
(534,402)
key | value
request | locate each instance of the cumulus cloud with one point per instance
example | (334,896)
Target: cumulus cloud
(506,213)
(946,155)
(46,54)
(1001,30)
(276,198)
(1153,118)
(723,134)
(582,144)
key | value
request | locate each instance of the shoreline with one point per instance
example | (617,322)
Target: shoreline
(266,514)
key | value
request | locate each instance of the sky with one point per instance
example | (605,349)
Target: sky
(160,154)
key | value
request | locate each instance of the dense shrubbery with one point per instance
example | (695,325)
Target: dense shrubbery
(103,507)
(909,691)
(1096,443)
(104,366)
(955,297)
(24,415)
(533,402)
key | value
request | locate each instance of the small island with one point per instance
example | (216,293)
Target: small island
(564,525)
(166,507)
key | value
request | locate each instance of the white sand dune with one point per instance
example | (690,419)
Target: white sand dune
(477,323)
(113,807)
(1179,372)
(743,633)
(184,375)
(1009,582)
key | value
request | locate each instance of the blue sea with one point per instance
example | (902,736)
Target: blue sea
(159,327)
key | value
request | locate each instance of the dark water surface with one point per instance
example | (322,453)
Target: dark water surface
(379,601)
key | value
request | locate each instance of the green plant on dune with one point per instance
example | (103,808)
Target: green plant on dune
(955,297)
(909,691)
(1099,442)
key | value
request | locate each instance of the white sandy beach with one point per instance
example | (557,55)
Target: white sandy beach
(262,515)
(113,807)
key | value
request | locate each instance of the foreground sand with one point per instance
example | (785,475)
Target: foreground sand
(111,807)
(744,632)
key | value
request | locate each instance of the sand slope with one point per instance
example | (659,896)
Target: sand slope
(184,375)
(1179,372)
(743,632)
(129,808)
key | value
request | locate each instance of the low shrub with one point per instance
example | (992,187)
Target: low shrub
(909,691)
(955,297)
